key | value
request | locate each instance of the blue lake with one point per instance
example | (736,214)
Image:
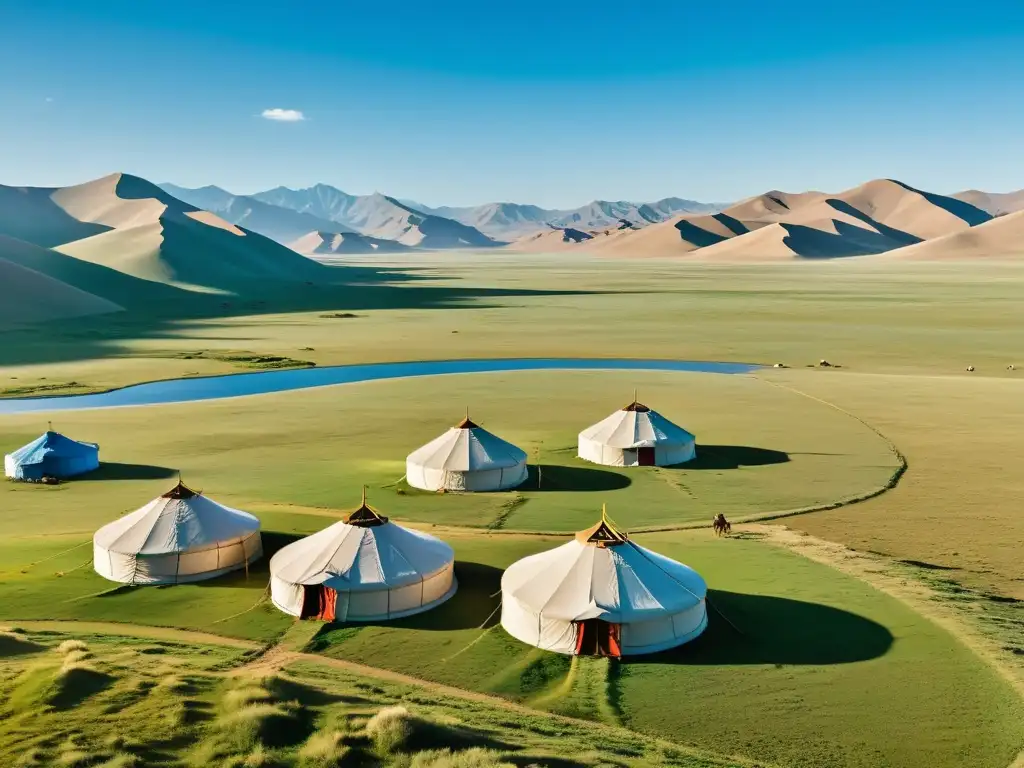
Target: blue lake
(265,382)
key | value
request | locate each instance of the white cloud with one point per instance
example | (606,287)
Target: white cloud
(283,115)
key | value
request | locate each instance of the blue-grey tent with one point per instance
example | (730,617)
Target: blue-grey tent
(52,455)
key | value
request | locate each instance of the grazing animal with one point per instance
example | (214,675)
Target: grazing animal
(970,369)
(824,364)
(721,525)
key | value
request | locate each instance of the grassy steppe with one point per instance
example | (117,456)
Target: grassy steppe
(827,671)
(315,449)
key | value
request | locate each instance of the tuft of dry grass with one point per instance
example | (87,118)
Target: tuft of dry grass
(324,749)
(390,729)
(69,646)
(476,757)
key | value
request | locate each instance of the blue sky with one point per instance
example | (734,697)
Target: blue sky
(554,103)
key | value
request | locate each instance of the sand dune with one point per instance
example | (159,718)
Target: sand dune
(132,226)
(556,239)
(996,203)
(873,218)
(1001,237)
(27,296)
(320,243)
(772,205)
(922,214)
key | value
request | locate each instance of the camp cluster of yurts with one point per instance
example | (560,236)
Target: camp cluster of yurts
(598,594)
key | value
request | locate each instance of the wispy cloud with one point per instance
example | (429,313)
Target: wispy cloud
(48,99)
(283,115)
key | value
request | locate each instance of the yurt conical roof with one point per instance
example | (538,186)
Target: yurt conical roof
(615,440)
(397,570)
(602,574)
(52,454)
(467,457)
(181,535)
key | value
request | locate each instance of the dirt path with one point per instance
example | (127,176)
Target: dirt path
(877,571)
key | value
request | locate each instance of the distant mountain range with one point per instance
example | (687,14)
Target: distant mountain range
(511,221)
(290,216)
(121,242)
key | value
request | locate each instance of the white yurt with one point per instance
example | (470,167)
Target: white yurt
(52,455)
(363,568)
(466,458)
(636,436)
(179,537)
(601,594)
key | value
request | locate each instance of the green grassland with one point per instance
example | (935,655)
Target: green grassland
(314,450)
(820,669)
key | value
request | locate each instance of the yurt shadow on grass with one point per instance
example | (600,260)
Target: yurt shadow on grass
(569,479)
(766,629)
(720,457)
(115,470)
(473,606)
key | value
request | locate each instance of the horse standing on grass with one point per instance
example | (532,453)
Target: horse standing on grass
(721,525)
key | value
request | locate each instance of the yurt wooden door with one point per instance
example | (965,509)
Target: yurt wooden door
(645,457)
(595,637)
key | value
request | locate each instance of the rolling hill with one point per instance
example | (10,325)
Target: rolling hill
(132,227)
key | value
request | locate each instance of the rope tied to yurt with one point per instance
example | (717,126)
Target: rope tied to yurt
(253,607)
(80,565)
(53,557)
(483,629)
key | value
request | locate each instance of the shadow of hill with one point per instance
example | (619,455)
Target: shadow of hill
(560,478)
(113,470)
(122,289)
(848,240)
(734,225)
(472,606)
(897,235)
(733,457)
(962,210)
(164,312)
(777,630)
(697,236)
